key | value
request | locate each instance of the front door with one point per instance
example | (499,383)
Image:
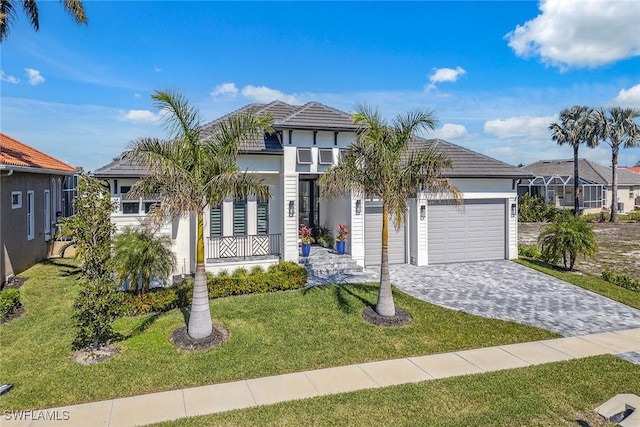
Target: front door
(309,203)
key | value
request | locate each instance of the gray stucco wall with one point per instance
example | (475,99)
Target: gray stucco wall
(19,253)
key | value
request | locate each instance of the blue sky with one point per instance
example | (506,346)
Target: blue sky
(496,73)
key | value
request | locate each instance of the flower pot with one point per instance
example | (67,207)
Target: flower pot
(306,248)
(340,248)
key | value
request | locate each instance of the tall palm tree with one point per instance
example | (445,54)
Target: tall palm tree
(189,170)
(382,164)
(139,254)
(617,128)
(574,129)
(8,12)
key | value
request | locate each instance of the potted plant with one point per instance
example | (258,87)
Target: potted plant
(306,238)
(343,232)
(324,237)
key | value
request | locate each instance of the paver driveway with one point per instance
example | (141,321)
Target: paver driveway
(509,291)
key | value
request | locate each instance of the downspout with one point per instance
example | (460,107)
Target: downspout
(9,174)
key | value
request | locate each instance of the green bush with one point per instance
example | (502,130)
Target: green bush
(621,280)
(565,239)
(631,216)
(279,277)
(529,251)
(535,209)
(156,300)
(597,217)
(9,302)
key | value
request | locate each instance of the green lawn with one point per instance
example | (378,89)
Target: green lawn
(587,281)
(557,394)
(269,334)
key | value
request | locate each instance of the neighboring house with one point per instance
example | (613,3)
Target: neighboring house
(635,169)
(307,141)
(35,191)
(553,179)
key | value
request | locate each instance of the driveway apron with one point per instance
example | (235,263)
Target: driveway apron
(509,291)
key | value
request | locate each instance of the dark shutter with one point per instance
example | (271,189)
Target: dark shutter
(216,221)
(263,217)
(240,218)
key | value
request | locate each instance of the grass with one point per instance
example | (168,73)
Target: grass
(270,334)
(587,281)
(556,394)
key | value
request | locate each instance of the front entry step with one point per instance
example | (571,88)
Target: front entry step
(324,266)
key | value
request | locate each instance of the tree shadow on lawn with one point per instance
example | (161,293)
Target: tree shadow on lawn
(70,270)
(342,294)
(143,326)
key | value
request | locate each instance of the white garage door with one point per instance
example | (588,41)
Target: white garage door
(473,233)
(373,237)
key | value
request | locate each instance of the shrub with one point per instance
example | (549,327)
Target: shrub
(631,216)
(621,280)
(535,209)
(597,217)
(565,239)
(9,302)
(529,251)
(279,277)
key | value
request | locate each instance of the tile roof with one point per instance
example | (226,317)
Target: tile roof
(120,167)
(587,169)
(310,116)
(16,153)
(467,163)
(635,169)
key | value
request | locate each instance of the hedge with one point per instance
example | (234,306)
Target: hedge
(279,277)
(9,302)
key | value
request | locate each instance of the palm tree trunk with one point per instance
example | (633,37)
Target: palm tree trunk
(385,305)
(200,316)
(576,200)
(614,184)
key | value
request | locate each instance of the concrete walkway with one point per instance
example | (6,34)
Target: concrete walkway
(171,405)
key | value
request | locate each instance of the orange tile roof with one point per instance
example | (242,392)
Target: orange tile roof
(635,169)
(16,153)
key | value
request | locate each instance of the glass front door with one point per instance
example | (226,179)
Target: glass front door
(309,204)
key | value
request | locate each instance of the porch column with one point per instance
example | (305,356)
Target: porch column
(290,222)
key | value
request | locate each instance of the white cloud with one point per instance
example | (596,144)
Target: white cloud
(139,116)
(629,98)
(8,78)
(265,94)
(225,89)
(440,75)
(157,69)
(450,132)
(34,76)
(520,126)
(137,95)
(586,33)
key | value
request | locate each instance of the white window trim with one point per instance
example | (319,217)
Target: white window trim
(31,220)
(304,150)
(19,204)
(47,215)
(322,151)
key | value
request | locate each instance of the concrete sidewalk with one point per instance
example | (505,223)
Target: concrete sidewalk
(171,405)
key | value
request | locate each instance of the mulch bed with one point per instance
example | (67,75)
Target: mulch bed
(180,338)
(15,283)
(402,317)
(18,313)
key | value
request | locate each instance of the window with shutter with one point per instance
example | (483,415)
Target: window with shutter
(263,217)
(240,218)
(216,221)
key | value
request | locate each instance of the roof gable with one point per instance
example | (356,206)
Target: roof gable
(19,154)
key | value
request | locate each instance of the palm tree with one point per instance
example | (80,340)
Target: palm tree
(189,170)
(138,254)
(382,164)
(8,12)
(566,238)
(574,128)
(617,128)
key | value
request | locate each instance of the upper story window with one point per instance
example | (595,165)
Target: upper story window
(124,189)
(130,207)
(304,156)
(31,222)
(632,191)
(16,199)
(325,156)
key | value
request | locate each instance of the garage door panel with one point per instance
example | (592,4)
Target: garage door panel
(373,237)
(473,233)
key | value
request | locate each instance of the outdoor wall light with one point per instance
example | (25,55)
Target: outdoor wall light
(292,208)
(513,210)
(423,212)
(358,207)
